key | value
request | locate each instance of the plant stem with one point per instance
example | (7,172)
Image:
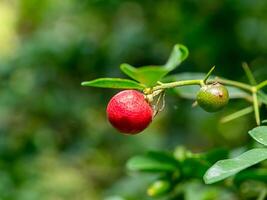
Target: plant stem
(237,114)
(177,84)
(256,107)
(249,74)
(208,74)
(201,83)
(251,89)
(237,84)
(261,85)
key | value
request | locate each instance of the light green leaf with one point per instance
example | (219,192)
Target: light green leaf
(152,162)
(259,134)
(225,168)
(148,75)
(178,55)
(116,83)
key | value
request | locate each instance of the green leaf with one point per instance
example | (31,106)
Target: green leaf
(178,55)
(148,75)
(197,164)
(152,162)
(259,134)
(190,92)
(215,154)
(225,168)
(116,83)
(252,174)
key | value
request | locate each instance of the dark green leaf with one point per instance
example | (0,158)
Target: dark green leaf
(148,75)
(225,168)
(215,154)
(116,83)
(197,165)
(178,54)
(259,134)
(152,162)
(253,174)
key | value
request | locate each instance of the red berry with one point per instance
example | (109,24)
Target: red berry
(129,112)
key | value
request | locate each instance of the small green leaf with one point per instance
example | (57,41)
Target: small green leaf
(152,162)
(259,134)
(225,168)
(148,75)
(116,83)
(178,55)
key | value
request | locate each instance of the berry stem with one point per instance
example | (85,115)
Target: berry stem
(177,84)
(237,84)
(208,74)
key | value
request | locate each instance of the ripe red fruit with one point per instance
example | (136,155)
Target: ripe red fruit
(129,112)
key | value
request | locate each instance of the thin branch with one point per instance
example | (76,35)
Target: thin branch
(237,114)
(256,108)
(249,74)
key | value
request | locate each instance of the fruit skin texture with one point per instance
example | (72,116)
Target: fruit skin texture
(129,112)
(213,97)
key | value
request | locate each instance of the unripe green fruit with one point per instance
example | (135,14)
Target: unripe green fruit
(212,97)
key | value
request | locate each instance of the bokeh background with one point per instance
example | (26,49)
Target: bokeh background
(55,142)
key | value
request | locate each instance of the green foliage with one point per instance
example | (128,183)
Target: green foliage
(178,54)
(184,166)
(115,83)
(152,162)
(148,75)
(259,134)
(225,168)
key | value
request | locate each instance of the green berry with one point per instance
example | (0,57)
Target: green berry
(212,97)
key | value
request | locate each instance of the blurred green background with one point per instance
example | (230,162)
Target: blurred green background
(55,142)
